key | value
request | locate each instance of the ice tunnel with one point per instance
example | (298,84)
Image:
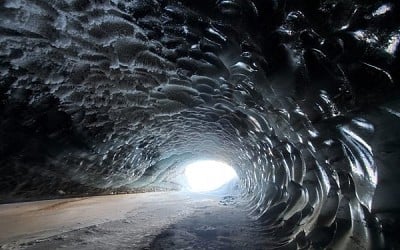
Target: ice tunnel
(300,97)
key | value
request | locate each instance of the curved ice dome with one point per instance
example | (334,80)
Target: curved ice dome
(300,96)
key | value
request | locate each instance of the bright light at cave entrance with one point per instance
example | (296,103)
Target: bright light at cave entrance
(205,176)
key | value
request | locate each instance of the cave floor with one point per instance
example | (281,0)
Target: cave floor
(162,220)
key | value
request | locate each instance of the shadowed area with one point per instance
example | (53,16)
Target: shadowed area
(300,98)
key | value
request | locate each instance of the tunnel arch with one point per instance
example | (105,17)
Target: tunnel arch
(302,99)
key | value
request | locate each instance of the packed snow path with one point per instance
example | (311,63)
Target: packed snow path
(170,220)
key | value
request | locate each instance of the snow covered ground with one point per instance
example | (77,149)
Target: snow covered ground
(163,220)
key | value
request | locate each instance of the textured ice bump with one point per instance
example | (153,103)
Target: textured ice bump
(301,98)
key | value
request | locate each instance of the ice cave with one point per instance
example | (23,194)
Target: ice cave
(117,116)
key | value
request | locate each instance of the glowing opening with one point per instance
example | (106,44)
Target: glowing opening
(203,176)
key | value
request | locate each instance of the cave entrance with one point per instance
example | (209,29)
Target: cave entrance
(206,176)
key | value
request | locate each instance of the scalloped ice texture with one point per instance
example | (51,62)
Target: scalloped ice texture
(301,98)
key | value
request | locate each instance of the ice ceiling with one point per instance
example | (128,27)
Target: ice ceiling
(300,97)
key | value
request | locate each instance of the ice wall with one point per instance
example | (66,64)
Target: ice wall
(301,97)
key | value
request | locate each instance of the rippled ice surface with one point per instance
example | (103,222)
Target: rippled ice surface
(301,98)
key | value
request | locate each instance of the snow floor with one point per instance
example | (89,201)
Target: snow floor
(162,220)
